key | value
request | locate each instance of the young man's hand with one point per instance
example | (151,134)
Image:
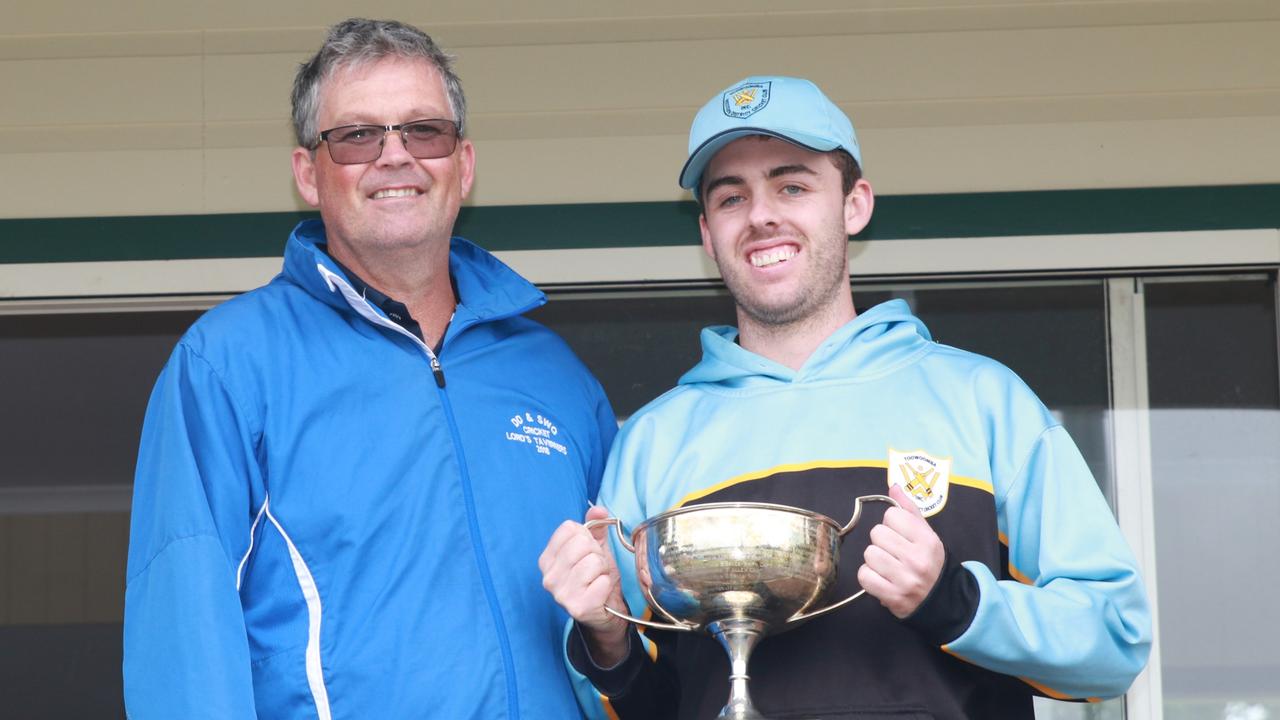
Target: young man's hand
(904,559)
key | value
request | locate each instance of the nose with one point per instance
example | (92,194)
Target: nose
(393,150)
(763,212)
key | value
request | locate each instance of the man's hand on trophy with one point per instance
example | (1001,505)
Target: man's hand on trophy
(904,559)
(579,571)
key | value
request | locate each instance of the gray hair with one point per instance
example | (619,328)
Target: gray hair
(357,41)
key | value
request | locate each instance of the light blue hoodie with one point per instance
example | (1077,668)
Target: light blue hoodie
(1042,586)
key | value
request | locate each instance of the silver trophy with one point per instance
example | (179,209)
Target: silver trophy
(739,571)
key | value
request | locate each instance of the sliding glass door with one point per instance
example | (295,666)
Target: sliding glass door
(1215,457)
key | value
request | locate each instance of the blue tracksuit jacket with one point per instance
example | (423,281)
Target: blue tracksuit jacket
(322,529)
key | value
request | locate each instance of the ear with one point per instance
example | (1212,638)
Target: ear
(707,247)
(858,205)
(466,165)
(304,175)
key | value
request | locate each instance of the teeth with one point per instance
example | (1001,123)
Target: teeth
(394,193)
(773,257)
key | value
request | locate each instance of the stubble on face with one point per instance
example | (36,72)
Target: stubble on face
(825,274)
(817,285)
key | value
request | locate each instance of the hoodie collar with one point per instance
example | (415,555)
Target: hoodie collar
(875,342)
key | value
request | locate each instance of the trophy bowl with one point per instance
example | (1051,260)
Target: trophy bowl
(738,571)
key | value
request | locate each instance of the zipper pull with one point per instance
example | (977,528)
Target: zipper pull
(437,371)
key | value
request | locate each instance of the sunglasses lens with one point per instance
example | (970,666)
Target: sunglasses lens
(355,144)
(426,139)
(423,139)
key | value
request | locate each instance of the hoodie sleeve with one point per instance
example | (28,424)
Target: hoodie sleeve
(1074,622)
(643,686)
(186,653)
(590,700)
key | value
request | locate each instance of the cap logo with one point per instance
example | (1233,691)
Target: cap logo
(746,99)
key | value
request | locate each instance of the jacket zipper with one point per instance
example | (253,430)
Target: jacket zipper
(482,561)
(436,369)
(473,523)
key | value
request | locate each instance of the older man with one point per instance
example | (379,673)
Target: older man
(1001,575)
(345,475)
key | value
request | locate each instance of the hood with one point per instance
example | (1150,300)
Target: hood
(487,288)
(880,340)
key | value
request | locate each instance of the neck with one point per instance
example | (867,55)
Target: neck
(419,280)
(792,344)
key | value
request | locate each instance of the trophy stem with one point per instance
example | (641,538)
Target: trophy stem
(738,637)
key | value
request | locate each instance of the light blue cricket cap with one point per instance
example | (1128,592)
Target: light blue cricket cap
(792,109)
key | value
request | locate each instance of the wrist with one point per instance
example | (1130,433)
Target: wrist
(949,608)
(607,645)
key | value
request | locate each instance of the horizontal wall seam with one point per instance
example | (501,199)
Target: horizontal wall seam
(197,283)
(651,224)
(641,122)
(991,16)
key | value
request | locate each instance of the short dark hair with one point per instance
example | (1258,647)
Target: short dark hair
(357,41)
(850,173)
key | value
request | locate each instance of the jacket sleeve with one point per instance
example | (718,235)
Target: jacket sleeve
(608,428)
(186,653)
(1074,622)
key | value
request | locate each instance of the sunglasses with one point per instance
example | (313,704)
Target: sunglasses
(423,139)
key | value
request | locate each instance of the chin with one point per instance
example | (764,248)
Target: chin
(397,235)
(775,314)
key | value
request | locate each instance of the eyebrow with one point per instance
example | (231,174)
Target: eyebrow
(773,173)
(361,118)
(722,180)
(791,170)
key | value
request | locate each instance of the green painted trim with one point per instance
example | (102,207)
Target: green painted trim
(547,227)
(147,237)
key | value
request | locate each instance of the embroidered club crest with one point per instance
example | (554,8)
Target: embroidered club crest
(746,99)
(924,477)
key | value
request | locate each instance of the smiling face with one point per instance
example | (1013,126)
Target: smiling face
(776,222)
(396,203)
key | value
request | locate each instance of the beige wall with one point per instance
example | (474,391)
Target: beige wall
(164,107)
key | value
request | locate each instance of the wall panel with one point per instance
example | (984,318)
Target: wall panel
(948,95)
(90,183)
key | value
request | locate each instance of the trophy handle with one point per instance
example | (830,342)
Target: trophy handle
(617,530)
(857,513)
(653,602)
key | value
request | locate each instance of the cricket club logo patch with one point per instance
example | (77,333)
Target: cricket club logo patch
(746,100)
(925,478)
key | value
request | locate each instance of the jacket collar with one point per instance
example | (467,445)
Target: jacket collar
(487,288)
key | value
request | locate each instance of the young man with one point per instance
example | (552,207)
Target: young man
(337,504)
(1003,574)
